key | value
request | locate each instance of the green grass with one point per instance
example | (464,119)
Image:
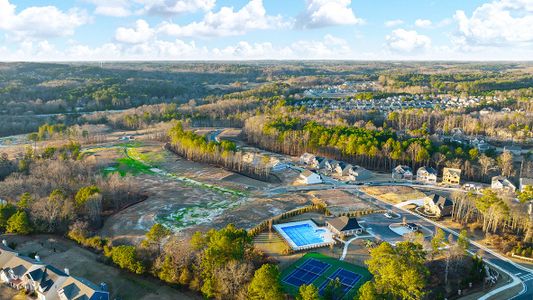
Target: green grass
(128,166)
(335,264)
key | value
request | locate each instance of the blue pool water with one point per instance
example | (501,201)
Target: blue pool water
(304,234)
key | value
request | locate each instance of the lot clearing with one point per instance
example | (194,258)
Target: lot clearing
(340,202)
(393,194)
(63,253)
(184,196)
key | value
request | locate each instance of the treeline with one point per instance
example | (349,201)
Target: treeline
(54,188)
(494,213)
(219,264)
(224,153)
(57,88)
(478,83)
(514,125)
(376,149)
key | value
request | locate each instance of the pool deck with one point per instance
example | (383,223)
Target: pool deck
(327,236)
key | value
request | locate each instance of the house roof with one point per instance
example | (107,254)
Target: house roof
(503,180)
(430,170)
(453,171)
(46,276)
(344,223)
(440,201)
(21,265)
(320,159)
(402,169)
(307,173)
(81,289)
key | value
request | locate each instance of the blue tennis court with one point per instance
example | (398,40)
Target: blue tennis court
(347,278)
(306,273)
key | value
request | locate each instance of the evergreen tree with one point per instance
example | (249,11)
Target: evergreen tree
(265,284)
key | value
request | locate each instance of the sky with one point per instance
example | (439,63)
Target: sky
(103,30)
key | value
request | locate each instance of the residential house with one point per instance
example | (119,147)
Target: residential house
(13,272)
(426,174)
(503,184)
(277,165)
(344,226)
(309,177)
(480,144)
(451,176)
(438,205)
(402,172)
(357,173)
(47,282)
(343,168)
(307,158)
(525,182)
(79,288)
(330,165)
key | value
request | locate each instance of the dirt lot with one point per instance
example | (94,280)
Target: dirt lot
(393,194)
(63,253)
(184,195)
(338,201)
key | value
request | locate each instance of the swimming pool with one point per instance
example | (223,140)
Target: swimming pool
(304,234)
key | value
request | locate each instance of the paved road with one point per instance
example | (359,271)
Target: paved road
(380,228)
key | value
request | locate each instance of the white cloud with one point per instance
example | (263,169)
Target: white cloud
(393,23)
(407,41)
(329,47)
(226,22)
(497,23)
(122,8)
(112,8)
(424,23)
(168,7)
(39,21)
(140,34)
(322,13)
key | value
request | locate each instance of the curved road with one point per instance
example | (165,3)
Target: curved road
(520,274)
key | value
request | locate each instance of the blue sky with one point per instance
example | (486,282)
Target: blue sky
(52,30)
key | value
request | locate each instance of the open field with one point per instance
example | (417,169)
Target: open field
(393,194)
(183,195)
(63,253)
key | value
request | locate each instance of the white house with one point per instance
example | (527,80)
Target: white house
(307,158)
(438,205)
(426,174)
(343,168)
(402,172)
(502,183)
(309,177)
(359,173)
(330,164)
(47,282)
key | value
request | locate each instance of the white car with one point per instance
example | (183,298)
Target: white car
(391,215)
